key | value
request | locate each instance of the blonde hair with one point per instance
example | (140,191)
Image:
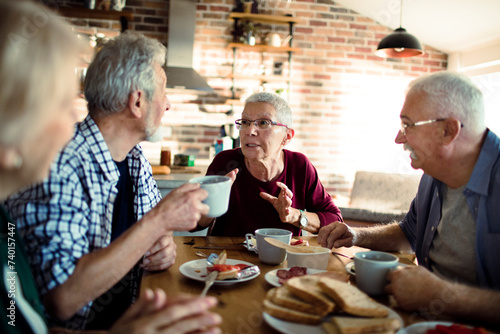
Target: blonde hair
(34,43)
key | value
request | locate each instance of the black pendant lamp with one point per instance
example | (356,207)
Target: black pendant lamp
(399,44)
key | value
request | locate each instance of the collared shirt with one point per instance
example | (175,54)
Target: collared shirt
(483,197)
(70,213)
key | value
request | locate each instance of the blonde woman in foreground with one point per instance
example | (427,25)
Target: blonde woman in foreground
(37,61)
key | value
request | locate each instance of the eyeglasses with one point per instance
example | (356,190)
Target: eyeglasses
(405,126)
(261,123)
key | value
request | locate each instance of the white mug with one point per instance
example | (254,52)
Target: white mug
(219,189)
(371,270)
(268,253)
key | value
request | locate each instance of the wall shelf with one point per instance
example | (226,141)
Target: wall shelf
(94,13)
(261,48)
(262,18)
(264,78)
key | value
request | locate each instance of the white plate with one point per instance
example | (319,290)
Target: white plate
(272,279)
(288,327)
(422,327)
(350,268)
(197,270)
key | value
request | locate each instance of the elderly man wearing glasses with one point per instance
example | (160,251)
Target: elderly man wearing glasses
(273,187)
(453,224)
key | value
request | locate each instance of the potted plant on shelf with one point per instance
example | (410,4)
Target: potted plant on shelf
(250,32)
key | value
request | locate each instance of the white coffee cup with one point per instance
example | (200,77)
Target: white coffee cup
(219,189)
(371,270)
(268,253)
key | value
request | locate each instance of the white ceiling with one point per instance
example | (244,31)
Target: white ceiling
(447,25)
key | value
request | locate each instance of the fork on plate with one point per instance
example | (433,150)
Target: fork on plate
(209,282)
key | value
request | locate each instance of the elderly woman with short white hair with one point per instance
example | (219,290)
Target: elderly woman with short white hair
(273,187)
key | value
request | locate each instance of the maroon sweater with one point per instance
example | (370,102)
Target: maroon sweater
(248,211)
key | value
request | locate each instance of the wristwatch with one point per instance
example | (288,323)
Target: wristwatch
(303,219)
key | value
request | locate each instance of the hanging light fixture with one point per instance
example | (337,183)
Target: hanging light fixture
(399,44)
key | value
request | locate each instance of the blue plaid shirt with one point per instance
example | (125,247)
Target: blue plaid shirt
(70,213)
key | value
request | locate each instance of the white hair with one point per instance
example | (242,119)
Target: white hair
(123,64)
(283,111)
(450,94)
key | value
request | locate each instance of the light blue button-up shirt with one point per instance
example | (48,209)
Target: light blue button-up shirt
(483,199)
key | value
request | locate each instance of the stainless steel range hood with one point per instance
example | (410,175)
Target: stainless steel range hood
(181,29)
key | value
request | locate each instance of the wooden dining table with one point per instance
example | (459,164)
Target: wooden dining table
(241,304)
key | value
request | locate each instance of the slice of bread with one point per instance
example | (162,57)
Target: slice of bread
(222,258)
(308,289)
(287,314)
(339,276)
(353,325)
(282,296)
(352,300)
(229,274)
(330,328)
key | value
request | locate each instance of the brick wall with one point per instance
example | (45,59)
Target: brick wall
(346,101)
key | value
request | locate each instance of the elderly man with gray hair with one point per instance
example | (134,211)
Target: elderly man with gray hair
(453,224)
(98,220)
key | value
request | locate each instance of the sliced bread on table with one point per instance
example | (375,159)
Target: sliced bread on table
(288,314)
(352,300)
(339,276)
(282,296)
(307,288)
(352,325)
(226,274)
